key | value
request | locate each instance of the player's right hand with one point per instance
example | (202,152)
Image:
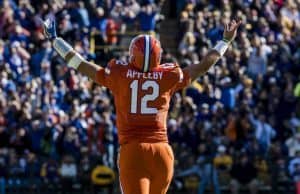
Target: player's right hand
(230,30)
(49,28)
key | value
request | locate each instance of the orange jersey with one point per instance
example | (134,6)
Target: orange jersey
(142,99)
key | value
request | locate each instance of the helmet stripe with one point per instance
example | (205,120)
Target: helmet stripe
(150,45)
(147,53)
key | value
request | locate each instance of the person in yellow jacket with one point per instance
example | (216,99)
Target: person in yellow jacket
(222,161)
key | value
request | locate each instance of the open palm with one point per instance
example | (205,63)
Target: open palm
(230,30)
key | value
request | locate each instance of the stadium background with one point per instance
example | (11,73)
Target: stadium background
(57,128)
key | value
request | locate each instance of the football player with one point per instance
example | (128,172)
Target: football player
(142,88)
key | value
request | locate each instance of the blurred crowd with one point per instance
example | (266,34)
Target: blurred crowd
(56,125)
(242,116)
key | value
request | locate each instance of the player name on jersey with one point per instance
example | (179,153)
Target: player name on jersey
(137,75)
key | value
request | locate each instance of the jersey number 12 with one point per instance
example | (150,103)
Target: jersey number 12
(134,86)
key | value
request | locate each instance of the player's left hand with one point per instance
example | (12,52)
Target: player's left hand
(49,28)
(230,30)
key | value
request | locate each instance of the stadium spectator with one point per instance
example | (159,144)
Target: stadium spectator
(257,64)
(248,178)
(50,172)
(33,172)
(222,160)
(3,169)
(187,45)
(80,14)
(279,174)
(84,171)
(293,144)
(238,129)
(263,132)
(227,93)
(208,172)
(148,17)
(294,170)
(68,173)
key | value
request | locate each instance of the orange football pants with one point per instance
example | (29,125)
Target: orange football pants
(145,168)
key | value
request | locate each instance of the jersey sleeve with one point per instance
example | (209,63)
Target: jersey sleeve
(107,76)
(183,78)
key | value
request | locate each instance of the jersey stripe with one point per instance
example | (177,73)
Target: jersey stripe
(147,53)
(150,45)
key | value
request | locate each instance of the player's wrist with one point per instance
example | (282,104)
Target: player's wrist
(63,49)
(227,40)
(222,46)
(75,61)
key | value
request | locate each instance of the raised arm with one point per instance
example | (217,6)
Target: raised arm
(196,70)
(65,50)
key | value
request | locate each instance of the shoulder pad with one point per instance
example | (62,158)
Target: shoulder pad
(121,62)
(115,62)
(111,64)
(169,65)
